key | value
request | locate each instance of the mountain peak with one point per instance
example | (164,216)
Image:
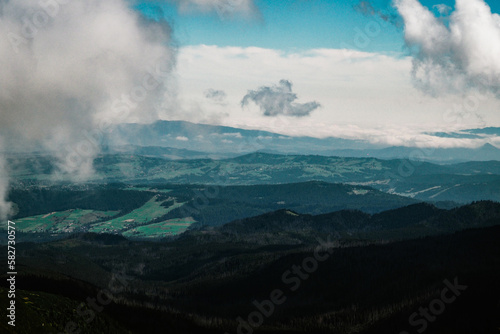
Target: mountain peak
(489,147)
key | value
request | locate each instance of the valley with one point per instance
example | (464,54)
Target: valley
(255,243)
(312,244)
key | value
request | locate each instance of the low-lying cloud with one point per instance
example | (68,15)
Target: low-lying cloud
(457,57)
(68,67)
(279,100)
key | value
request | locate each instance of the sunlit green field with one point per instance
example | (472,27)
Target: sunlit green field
(169,227)
(151,210)
(133,224)
(62,222)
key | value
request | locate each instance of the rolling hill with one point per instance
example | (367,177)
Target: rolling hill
(462,182)
(144,212)
(413,221)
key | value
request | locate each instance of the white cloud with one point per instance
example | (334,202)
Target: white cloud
(456,58)
(362,90)
(62,77)
(182,138)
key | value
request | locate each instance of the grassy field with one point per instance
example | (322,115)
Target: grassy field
(132,224)
(169,227)
(62,222)
(151,210)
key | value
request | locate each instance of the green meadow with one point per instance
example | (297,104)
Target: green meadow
(62,222)
(153,209)
(136,223)
(166,228)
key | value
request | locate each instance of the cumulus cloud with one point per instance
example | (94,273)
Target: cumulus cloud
(457,57)
(279,100)
(182,138)
(218,96)
(69,68)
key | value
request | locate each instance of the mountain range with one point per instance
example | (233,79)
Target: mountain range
(201,140)
(461,182)
(409,222)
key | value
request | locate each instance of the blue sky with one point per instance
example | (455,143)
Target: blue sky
(285,25)
(290,25)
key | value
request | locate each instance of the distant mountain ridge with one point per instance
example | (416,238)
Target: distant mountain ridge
(487,152)
(220,139)
(461,183)
(168,153)
(417,220)
(224,141)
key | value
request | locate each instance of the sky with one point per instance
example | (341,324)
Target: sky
(381,70)
(356,61)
